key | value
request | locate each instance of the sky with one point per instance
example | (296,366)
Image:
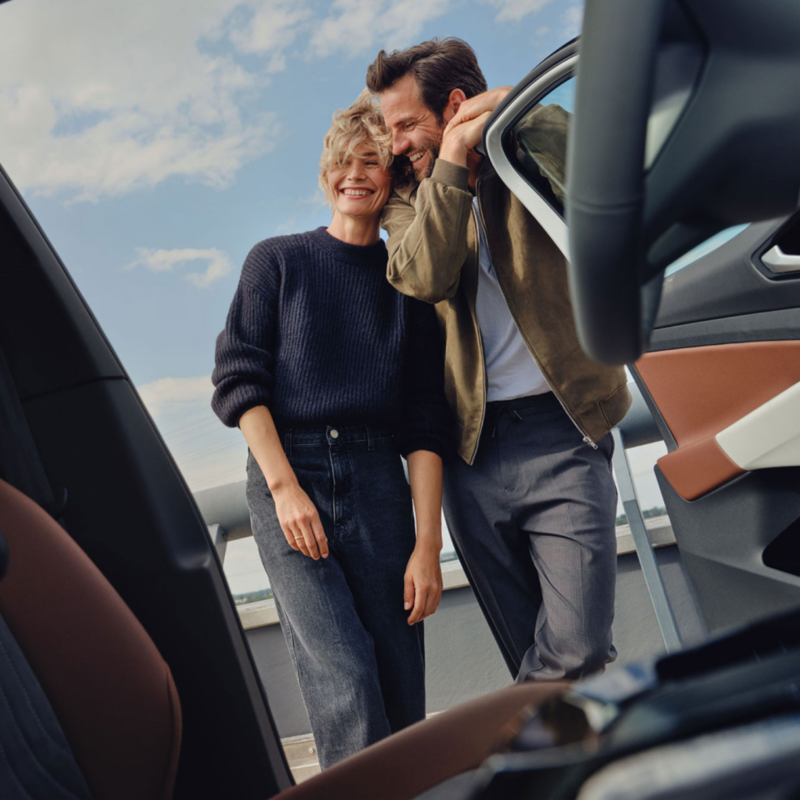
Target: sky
(156,142)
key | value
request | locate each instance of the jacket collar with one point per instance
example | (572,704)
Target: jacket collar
(409,188)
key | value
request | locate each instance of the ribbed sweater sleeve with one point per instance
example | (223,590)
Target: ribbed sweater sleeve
(427,422)
(245,354)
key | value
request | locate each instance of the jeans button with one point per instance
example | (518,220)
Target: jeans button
(334,434)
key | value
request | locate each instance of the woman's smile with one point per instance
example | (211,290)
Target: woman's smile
(353,192)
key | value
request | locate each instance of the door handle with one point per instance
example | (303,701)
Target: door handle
(777,261)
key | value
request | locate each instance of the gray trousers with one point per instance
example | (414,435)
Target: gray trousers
(533,522)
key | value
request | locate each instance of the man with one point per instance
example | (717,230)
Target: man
(531,501)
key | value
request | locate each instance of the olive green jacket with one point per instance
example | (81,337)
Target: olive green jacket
(433,256)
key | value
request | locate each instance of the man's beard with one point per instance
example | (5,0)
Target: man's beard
(430,146)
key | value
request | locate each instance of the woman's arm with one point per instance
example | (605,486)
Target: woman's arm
(423,578)
(297,515)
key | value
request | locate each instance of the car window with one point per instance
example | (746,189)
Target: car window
(538,143)
(708,246)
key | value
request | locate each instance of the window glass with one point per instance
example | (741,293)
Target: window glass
(708,246)
(538,143)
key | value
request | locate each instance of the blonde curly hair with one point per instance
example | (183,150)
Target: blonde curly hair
(359,125)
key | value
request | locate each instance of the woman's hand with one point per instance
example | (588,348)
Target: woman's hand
(297,516)
(299,521)
(422,583)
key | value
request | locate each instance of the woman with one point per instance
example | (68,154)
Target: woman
(329,373)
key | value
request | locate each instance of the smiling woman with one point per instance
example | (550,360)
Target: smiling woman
(356,171)
(332,375)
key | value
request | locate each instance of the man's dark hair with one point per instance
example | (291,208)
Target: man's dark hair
(439,66)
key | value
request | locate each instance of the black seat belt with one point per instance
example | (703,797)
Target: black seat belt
(20,462)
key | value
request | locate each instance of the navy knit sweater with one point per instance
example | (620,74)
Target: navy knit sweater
(316,334)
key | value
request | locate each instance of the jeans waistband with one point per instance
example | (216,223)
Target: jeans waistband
(535,401)
(329,435)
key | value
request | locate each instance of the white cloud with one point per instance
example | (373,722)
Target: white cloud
(219,265)
(171,395)
(515,10)
(573,21)
(273,27)
(207,453)
(98,99)
(356,27)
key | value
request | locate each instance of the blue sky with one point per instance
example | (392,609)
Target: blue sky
(157,141)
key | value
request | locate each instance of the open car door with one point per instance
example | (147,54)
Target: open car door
(121,497)
(682,129)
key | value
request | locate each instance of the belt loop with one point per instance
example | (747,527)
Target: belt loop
(370,440)
(287,443)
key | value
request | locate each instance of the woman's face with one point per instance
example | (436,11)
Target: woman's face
(360,186)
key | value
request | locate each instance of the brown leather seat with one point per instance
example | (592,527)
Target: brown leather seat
(107,683)
(118,707)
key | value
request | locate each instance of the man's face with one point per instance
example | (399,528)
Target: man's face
(416,130)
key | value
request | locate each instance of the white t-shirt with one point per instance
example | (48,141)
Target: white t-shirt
(510,369)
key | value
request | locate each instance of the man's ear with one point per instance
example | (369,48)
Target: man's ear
(457,97)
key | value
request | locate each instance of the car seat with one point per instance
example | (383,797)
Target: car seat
(111,691)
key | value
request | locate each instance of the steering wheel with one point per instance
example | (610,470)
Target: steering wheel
(614,306)
(686,122)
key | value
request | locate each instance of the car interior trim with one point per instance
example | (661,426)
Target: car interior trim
(701,391)
(679,68)
(768,326)
(699,468)
(778,261)
(767,437)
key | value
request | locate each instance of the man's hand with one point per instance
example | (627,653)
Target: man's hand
(299,521)
(483,103)
(422,583)
(462,140)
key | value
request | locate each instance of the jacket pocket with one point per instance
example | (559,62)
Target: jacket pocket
(616,405)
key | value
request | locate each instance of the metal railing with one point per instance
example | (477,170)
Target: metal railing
(638,428)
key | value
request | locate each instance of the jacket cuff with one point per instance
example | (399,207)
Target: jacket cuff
(451,174)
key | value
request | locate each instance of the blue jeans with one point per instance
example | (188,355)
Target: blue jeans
(360,666)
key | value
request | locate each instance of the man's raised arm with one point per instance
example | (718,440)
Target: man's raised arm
(428,234)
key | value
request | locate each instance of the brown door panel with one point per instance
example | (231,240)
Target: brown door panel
(700,391)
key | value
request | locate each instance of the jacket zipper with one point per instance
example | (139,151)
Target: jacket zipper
(586,438)
(480,343)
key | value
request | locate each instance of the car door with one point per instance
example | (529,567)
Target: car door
(721,377)
(123,500)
